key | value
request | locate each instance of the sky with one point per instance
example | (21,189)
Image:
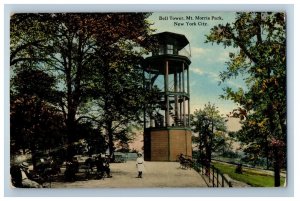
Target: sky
(207,60)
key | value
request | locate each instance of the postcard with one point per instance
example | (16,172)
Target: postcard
(148,100)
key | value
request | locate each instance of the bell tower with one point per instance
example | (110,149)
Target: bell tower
(167,130)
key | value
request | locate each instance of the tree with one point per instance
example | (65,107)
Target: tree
(209,124)
(94,58)
(26,80)
(118,78)
(35,123)
(260,39)
(119,90)
(92,135)
(28,40)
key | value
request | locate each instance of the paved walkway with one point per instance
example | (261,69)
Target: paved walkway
(157,174)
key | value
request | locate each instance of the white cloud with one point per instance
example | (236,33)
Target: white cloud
(213,75)
(197,70)
(210,55)
(198,51)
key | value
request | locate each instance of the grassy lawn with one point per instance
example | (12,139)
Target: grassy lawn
(253,177)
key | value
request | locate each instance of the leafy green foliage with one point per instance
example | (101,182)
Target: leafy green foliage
(210,127)
(260,39)
(27,80)
(93,58)
(31,112)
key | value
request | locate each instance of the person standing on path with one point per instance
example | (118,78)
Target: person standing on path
(140,165)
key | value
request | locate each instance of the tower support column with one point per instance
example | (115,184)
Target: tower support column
(183,102)
(176,96)
(180,97)
(167,111)
(189,99)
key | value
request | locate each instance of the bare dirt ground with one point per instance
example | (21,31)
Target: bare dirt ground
(157,174)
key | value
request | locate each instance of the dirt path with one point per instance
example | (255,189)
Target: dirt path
(157,174)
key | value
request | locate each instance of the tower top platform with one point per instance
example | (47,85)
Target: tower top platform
(171,38)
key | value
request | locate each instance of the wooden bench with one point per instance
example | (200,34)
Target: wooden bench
(185,163)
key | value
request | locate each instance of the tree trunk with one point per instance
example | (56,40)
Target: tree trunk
(110,138)
(33,155)
(276,168)
(71,127)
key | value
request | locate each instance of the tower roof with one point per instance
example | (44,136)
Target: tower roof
(169,37)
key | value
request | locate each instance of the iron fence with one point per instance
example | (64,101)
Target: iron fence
(213,176)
